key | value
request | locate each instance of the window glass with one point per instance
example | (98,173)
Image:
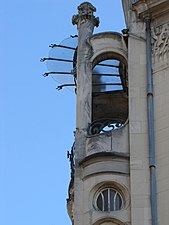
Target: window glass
(109,75)
(105,196)
(100,201)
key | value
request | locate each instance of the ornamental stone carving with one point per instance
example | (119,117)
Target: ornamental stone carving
(85,12)
(160,41)
(85,21)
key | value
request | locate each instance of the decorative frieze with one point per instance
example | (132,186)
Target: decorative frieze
(160,41)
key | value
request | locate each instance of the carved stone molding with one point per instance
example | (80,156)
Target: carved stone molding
(160,41)
(151,8)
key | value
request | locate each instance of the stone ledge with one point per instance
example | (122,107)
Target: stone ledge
(104,154)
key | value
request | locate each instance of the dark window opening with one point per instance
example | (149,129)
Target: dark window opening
(109,95)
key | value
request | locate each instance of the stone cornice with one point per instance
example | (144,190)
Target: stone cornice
(109,155)
(153,8)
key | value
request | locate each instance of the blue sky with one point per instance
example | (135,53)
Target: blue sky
(37,121)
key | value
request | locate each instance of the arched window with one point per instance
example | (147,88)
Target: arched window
(108,199)
(109,94)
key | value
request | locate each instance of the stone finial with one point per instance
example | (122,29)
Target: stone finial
(86,8)
(85,12)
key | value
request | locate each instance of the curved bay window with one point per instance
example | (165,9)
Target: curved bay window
(109,95)
(109,200)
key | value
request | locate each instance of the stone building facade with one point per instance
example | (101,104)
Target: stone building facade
(120,159)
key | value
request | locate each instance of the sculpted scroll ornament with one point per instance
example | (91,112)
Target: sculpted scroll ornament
(160,40)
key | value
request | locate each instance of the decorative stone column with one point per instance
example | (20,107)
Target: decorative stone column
(85,21)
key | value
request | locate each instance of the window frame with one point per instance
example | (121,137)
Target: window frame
(117,193)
